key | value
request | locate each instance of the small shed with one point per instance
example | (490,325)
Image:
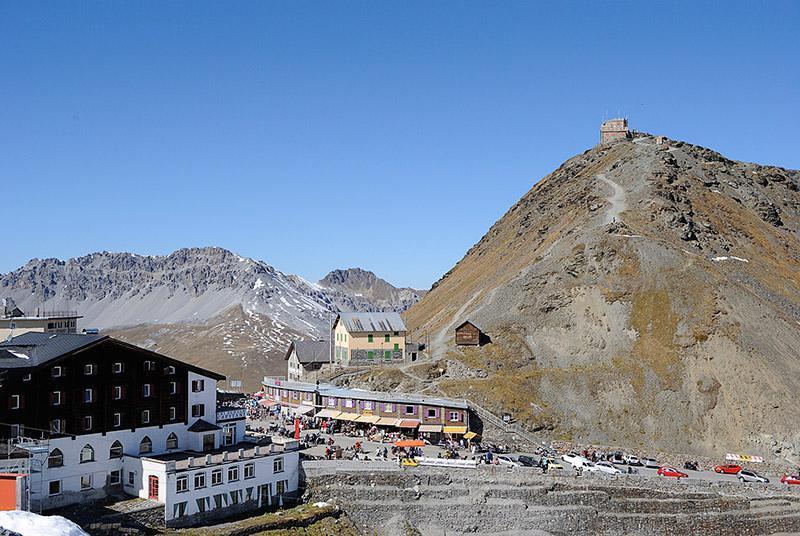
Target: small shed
(468,334)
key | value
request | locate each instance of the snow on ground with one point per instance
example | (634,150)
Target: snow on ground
(731,258)
(30,524)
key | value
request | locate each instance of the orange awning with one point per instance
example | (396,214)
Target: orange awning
(404,423)
(410,443)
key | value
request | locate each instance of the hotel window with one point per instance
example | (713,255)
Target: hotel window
(88,395)
(410,410)
(198,385)
(236,496)
(368,404)
(216,477)
(277,465)
(396,333)
(57,372)
(55,398)
(396,347)
(173,388)
(131,478)
(146,416)
(54,487)
(348,403)
(295,395)
(172,441)
(249,470)
(115,477)
(198,410)
(87,454)
(117,368)
(17,430)
(169,370)
(201,504)
(148,365)
(115,451)
(146,388)
(432,413)
(16,401)
(145,445)
(86,482)
(182,484)
(331,401)
(26,378)
(387,354)
(88,369)
(199,480)
(56,459)
(229,434)
(280,487)
(117,420)
(233,474)
(179,509)
(117,392)
(389,407)
(56,426)
(387,338)
(220,500)
(173,413)
(370,355)
(454,416)
(369,337)
(87,423)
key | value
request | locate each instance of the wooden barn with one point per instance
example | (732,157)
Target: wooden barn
(468,334)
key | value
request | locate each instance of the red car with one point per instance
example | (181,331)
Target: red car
(786,479)
(671,471)
(728,469)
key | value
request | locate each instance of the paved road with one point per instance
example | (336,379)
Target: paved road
(371,447)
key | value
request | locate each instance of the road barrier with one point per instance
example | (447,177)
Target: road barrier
(444,462)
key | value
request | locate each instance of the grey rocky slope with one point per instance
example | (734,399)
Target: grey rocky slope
(208,305)
(365,285)
(642,293)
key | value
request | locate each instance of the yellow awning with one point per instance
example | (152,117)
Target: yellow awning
(387,421)
(455,429)
(371,419)
(328,414)
(430,427)
(346,416)
(470,435)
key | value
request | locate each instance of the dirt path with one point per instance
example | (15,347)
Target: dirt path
(439,344)
(618,200)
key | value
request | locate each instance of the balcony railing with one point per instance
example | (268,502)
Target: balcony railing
(230,414)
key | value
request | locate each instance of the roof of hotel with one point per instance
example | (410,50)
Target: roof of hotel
(33,349)
(371,322)
(296,386)
(311,351)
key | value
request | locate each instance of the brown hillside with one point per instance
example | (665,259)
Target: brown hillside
(640,293)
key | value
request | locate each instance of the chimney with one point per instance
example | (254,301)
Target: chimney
(241,454)
(190,461)
(208,459)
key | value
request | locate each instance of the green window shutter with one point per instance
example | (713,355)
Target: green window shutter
(369,337)
(387,354)
(387,338)
(396,347)
(370,355)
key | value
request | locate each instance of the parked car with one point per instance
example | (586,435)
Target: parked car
(587,466)
(552,463)
(617,458)
(691,466)
(651,463)
(572,458)
(633,460)
(507,460)
(792,480)
(751,476)
(608,468)
(671,471)
(728,469)
(527,461)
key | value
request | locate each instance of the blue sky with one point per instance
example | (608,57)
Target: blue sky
(386,135)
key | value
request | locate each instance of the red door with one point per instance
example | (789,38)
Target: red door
(153,487)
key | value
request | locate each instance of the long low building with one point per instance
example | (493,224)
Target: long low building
(412,414)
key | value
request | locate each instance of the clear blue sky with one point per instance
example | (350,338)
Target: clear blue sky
(386,135)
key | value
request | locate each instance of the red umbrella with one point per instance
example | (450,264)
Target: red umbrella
(297,428)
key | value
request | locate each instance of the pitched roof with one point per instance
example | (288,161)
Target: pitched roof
(470,322)
(311,351)
(31,349)
(201,425)
(371,322)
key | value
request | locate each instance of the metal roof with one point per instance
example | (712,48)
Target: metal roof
(311,351)
(293,386)
(33,348)
(371,322)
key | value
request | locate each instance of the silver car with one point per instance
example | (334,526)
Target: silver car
(751,476)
